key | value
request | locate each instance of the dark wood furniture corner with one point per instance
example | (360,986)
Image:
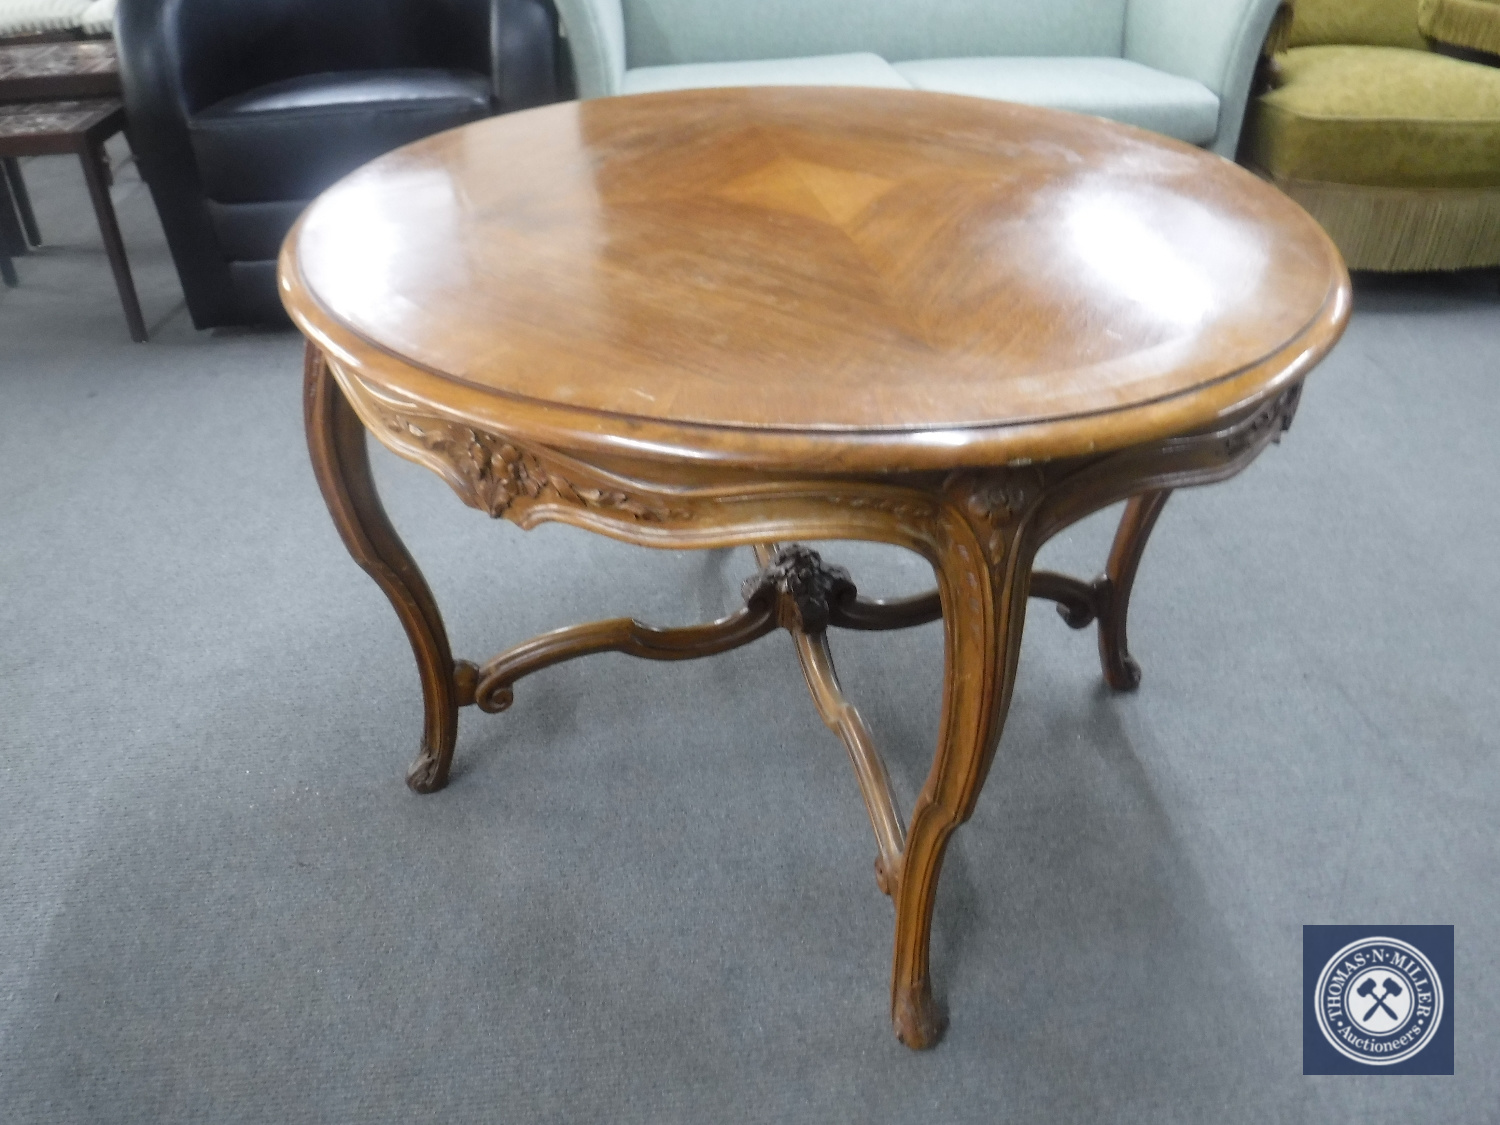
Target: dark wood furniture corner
(47,72)
(748,317)
(62,98)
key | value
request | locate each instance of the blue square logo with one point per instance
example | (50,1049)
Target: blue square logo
(1377,999)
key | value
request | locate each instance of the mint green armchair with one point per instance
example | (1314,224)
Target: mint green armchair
(1180,67)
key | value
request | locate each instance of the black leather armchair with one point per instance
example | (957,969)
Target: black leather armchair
(241,111)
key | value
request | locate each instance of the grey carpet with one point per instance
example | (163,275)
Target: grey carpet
(647,895)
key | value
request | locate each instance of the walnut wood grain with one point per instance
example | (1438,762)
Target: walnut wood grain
(803,589)
(843,718)
(497,677)
(755,317)
(1077,603)
(849,278)
(877,614)
(805,607)
(1113,588)
(341,462)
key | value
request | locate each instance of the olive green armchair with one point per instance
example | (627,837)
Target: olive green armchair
(1392,145)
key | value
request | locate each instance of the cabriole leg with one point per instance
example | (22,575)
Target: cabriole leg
(1121,671)
(984,611)
(341,460)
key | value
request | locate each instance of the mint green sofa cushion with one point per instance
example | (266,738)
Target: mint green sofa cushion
(668,32)
(823,70)
(595,39)
(1214,43)
(1114,88)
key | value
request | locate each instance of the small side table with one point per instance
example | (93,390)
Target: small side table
(79,127)
(44,72)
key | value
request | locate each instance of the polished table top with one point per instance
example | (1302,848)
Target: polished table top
(866,278)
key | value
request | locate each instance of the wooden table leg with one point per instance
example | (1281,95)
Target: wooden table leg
(96,174)
(1121,671)
(23,200)
(341,460)
(12,240)
(8,233)
(983,586)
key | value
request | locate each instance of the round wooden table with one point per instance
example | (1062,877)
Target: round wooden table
(751,316)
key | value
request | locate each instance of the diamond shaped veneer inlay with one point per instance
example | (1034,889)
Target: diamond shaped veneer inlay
(813,191)
(804,261)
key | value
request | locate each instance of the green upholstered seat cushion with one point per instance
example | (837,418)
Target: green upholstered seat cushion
(1114,88)
(822,70)
(1463,23)
(1380,116)
(1369,23)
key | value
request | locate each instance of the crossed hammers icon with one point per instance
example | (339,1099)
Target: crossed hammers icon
(1392,988)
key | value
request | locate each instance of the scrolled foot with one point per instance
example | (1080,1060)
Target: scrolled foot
(919,1019)
(1122,673)
(426,774)
(1078,615)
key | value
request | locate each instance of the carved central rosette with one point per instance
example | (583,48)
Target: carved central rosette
(804,586)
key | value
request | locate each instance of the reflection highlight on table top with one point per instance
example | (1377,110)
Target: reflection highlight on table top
(816,259)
